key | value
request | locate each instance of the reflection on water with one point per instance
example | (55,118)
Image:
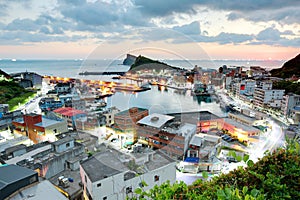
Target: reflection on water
(164,100)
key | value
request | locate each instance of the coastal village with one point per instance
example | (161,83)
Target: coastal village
(67,143)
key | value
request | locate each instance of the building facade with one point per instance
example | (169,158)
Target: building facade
(38,128)
(289,102)
(117,179)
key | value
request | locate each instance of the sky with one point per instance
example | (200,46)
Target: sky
(171,29)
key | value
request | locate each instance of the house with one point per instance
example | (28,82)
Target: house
(162,132)
(202,153)
(113,175)
(41,190)
(110,115)
(47,104)
(28,79)
(14,178)
(39,128)
(125,121)
(62,87)
(50,159)
(70,115)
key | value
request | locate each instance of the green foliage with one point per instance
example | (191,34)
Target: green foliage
(13,94)
(275,176)
(288,86)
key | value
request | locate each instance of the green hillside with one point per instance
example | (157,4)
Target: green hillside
(290,68)
(142,62)
(13,94)
(275,176)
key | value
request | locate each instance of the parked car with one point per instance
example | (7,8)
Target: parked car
(231,159)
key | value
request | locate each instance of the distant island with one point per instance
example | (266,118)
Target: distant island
(142,62)
(290,68)
(129,60)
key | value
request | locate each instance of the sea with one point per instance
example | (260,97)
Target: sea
(157,100)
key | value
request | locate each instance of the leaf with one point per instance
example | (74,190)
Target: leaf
(245,190)
(138,191)
(246,158)
(144,184)
(205,174)
(254,192)
(250,163)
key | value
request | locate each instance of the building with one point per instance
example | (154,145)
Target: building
(125,121)
(162,132)
(110,115)
(14,178)
(296,114)
(289,102)
(242,132)
(243,119)
(70,115)
(50,159)
(29,79)
(39,128)
(202,153)
(41,190)
(111,175)
(48,104)
(63,88)
(265,96)
(6,118)
(247,87)
(3,109)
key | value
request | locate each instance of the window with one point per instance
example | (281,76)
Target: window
(156,178)
(128,190)
(99,185)
(68,144)
(104,198)
(85,178)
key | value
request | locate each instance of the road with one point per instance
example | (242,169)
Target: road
(270,141)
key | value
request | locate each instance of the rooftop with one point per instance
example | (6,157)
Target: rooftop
(179,128)
(241,126)
(68,111)
(112,162)
(155,120)
(127,112)
(63,140)
(159,160)
(194,117)
(244,117)
(103,165)
(29,154)
(46,122)
(13,173)
(42,190)
(74,187)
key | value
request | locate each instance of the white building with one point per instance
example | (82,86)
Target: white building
(264,95)
(289,102)
(112,175)
(247,87)
(110,115)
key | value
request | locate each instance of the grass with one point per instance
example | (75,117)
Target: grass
(22,99)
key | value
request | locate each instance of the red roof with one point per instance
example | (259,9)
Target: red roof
(68,111)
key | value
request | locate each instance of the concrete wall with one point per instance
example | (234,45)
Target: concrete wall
(114,187)
(58,163)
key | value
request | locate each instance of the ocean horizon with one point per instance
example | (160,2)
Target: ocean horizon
(71,67)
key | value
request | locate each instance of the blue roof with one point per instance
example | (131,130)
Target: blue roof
(47,122)
(191,160)
(297,107)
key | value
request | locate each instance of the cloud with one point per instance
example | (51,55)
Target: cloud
(269,34)
(285,15)
(272,36)
(189,29)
